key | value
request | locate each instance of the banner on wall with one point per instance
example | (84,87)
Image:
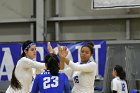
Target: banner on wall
(10,53)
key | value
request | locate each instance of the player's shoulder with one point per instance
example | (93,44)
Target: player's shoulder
(116,79)
(123,81)
(38,76)
(22,61)
(23,58)
(92,62)
(62,74)
(42,73)
(89,62)
(77,62)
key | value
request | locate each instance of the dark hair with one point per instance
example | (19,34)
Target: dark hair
(90,45)
(15,84)
(120,72)
(24,46)
(52,62)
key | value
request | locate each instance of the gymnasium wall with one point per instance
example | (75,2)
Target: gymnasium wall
(70,30)
(84,24)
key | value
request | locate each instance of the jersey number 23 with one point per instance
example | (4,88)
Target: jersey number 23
(47,82)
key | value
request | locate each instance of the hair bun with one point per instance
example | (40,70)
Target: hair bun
(90,43)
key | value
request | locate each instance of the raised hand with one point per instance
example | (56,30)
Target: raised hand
(50,49)
(62,51)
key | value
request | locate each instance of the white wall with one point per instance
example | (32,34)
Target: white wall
(70,30)
(89,30)
(15,9)
(14,32)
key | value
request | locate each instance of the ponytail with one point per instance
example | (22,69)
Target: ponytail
(22,55)
(15,84)
(122,75)
(120,72)
(52,62)
(53,66)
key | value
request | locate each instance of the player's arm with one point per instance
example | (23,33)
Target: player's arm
(62,61)
(68,71)
(28,63)
(35,87)
(90,67)
(114,91)
(51,51)
(67,85)
(62,64)
(114,86)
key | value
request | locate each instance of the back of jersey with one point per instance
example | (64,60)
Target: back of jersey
(119,85)
(122,87)
(46,83)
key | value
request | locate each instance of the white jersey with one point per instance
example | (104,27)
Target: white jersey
(23,73)
(119,85)
(83,76)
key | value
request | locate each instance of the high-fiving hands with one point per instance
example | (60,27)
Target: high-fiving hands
(62,51)
(50,49)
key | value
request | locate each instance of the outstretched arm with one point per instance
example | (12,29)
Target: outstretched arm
(28,63)
(51,50)
(90,67)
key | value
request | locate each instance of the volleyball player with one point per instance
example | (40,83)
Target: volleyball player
(118,84)
(83,72)
(51,81)
(22,72)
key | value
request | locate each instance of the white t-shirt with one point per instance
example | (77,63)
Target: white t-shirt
(83,76)
(119,85)
(23,73)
